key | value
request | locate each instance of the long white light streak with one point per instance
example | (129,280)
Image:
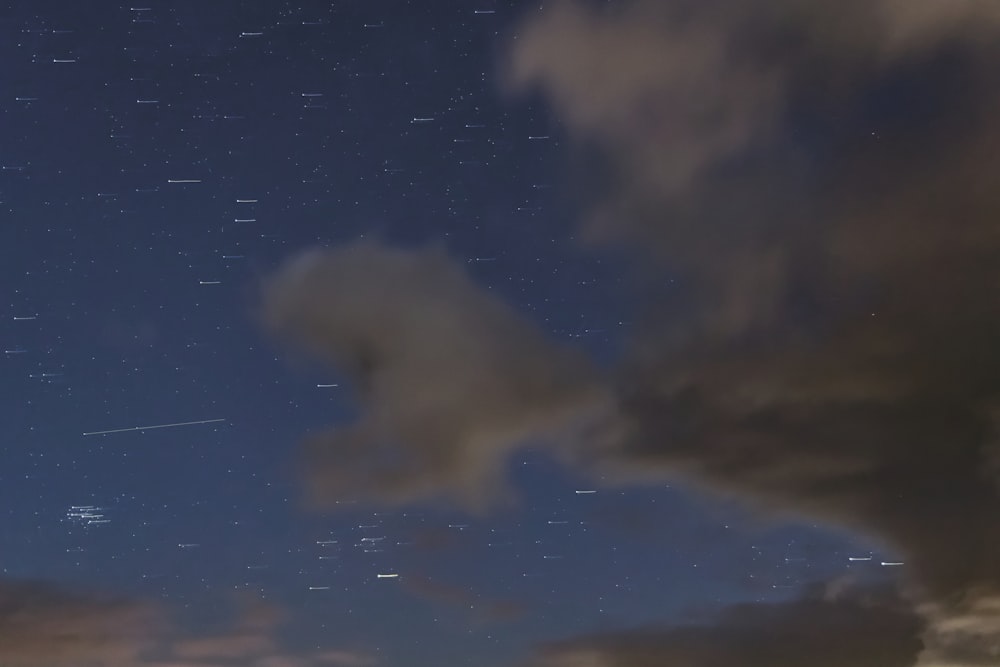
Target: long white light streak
(150,428)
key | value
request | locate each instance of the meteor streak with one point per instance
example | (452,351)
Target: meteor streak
(149,428)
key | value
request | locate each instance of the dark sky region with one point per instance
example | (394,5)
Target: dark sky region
(634,333)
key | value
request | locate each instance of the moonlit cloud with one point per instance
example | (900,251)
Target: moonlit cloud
(44,625)
(835,355)
(870,630)
(459,597)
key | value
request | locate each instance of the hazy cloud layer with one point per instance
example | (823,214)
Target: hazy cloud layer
(43,625)
(866,631)
(449,379)
(836,356)
(461,598)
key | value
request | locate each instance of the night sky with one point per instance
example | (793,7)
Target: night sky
(624,333)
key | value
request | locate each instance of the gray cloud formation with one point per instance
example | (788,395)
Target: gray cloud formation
(676,88)
(450,379)
(44,625)
(868,630)
(837,357)
(462,598)
(834,354)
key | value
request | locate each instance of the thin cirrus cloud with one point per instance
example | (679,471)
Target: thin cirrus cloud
(834,356)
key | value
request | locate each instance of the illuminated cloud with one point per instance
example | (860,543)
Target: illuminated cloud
(450,380)
(834,355)
(672,115)
(43,625)
(459,597)
(683,95)
(867,631)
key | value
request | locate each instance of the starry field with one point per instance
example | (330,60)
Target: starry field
(388,333)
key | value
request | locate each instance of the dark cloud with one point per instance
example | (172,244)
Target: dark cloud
(821,174)
(851,631)
(44,625)
(450,379)
(822,177)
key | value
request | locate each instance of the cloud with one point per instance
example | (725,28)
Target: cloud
(346,659)
(450,380)
(679,95)
(42,625)
(820,175)
(869,630)
(463,598)
(911,24)
(252,639)
(45,625)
